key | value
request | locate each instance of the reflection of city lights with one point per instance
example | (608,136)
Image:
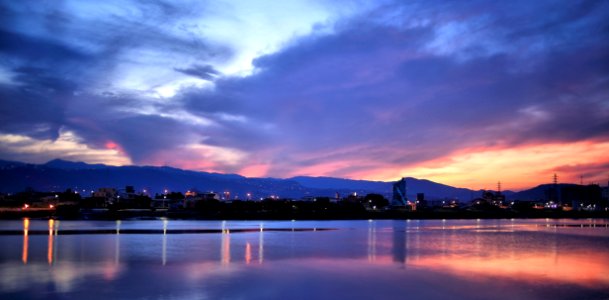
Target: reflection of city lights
(118,226)
(261,245)
(164,250)
(26,228)
(50,247)
(225,253)
(371,241)
(117,246)
(248,253)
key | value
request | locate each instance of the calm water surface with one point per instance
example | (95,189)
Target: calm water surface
(395,259)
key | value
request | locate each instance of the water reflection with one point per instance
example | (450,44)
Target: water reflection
(50,252)
(225,250)
(26,239)
(117,245)
(399,242)
(515,255)
(261,244)
(248,253)
(164,247)
(472,259)
(371,240)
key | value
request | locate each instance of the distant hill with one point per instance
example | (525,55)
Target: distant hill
(539,192)
(432,190)
(59,175)
(340,183)
(70,165)
(6,164)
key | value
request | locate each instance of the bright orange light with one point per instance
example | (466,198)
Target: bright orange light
(25,206)
(26,228)
(50,247)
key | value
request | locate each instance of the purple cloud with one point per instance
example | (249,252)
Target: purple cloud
(397,85)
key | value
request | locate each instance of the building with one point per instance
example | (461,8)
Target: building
(399,193)
(105,193)
(400,196)
(192,199)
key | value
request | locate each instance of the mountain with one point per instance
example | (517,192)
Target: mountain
(71,165)
(432,190)
(340,183)
(59,175)
(540,192)
(6,164)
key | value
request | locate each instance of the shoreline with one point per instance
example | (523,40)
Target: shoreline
(142,214)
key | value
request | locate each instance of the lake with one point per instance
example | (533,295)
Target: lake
(370,259)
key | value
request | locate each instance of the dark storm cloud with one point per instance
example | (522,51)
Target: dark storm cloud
(58,63)
(34,49)
(206,72)
(379,90)
(402,84)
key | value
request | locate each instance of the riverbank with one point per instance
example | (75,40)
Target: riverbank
(106,214)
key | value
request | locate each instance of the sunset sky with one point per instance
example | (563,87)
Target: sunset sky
(465,93)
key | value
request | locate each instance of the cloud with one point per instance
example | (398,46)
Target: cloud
(66,146)
(206,72)
(72,69)
(384,90)
(379,86)
(381,91)
(517,168)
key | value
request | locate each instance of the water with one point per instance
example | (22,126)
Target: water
(394,259)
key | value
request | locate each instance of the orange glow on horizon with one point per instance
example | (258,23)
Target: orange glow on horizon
(517,168)
(259,170)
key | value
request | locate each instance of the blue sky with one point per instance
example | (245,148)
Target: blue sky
(466,92)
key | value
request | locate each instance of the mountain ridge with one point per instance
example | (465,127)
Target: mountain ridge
(61,174)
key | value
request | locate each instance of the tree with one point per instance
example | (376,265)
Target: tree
(376,200)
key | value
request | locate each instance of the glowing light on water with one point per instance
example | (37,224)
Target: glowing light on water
(248,253)
(26,228)
(50,243)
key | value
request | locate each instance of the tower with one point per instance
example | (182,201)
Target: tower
(399,193)
(556,193)
(555,179)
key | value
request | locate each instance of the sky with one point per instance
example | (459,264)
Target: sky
(466,93)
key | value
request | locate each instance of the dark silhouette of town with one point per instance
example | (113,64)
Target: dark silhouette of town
(559,201)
